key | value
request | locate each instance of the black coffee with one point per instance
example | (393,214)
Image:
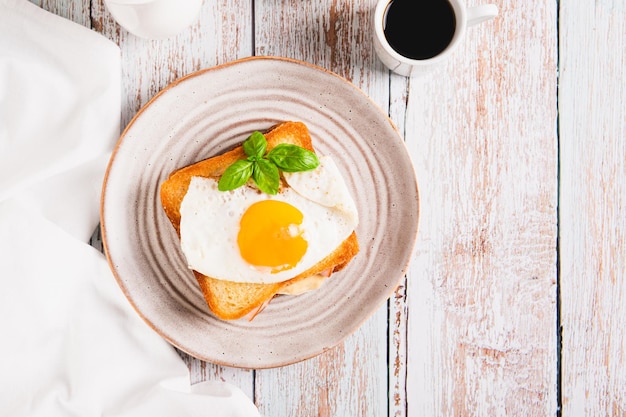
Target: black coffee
(419,29)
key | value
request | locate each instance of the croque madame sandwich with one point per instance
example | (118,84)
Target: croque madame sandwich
(268,217)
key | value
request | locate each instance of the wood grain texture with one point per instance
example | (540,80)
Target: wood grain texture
(592,234)
(482,289)
(350,379)
(76,11)
(398,304)
(222,32)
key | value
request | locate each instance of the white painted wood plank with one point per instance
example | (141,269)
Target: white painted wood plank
(592,207)
(351,379)
(348,380)
(398,305)
(76,11)
(481,291)
(222,32)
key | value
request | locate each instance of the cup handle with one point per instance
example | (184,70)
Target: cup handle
(479,14)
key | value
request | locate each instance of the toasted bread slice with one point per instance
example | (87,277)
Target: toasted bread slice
(232,300)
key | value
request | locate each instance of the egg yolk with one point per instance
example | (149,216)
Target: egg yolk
(270,236)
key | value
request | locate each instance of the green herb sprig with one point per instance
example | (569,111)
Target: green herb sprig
(264,167)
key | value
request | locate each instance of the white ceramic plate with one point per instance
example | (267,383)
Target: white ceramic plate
(209,112)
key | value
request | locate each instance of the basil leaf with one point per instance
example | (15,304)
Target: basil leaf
(293,158)
(266,176)
(235,175)
(255,145)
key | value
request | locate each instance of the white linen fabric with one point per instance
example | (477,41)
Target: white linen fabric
(71,343)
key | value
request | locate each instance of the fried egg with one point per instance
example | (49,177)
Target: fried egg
(244,235)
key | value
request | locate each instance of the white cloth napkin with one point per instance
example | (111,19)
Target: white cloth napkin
(71,343)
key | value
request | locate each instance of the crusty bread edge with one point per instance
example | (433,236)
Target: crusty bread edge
(334,262)
(172,194)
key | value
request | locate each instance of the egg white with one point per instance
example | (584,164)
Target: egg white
(210,222)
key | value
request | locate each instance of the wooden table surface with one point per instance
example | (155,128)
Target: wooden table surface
(515,302)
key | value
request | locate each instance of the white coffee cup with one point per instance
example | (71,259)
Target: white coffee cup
(154,19)
(403,65)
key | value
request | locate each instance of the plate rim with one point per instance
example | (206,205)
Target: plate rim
(105,242)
